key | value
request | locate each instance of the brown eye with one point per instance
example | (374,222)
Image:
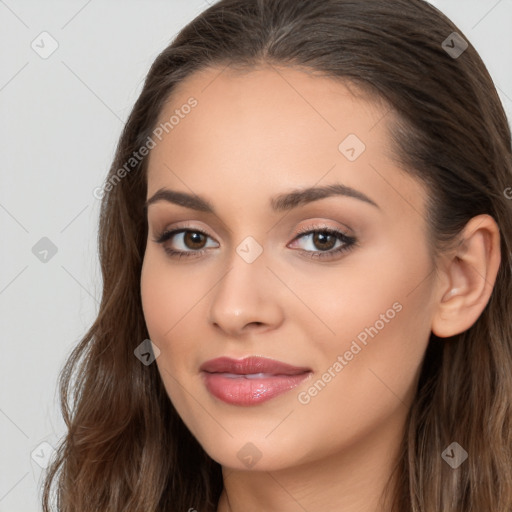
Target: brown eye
(192,239)
(186,242)
(323,241)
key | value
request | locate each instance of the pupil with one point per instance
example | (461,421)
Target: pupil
(323,238)
(191,236)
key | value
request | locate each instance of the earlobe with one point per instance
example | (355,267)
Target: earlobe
(468,278)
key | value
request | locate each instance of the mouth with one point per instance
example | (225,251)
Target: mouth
(252,380)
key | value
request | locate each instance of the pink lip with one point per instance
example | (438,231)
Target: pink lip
(279,377)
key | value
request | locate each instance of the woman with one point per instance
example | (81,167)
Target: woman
(305,239)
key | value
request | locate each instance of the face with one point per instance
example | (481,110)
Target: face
(336,284)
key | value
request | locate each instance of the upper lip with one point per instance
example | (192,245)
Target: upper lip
(251,365)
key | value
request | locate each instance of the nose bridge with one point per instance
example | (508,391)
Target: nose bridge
(244,295)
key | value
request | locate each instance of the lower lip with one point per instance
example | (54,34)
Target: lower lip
(242,391)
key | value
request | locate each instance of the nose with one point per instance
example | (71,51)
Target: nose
(246,298)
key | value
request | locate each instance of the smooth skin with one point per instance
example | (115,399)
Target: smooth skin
(252,136)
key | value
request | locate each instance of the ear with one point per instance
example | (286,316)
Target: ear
(467,277)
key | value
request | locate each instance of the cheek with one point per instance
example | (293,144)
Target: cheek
(374,382)
(379,319)
(154,295)
(375,379)
(164,293)
(162,305)
(367,295)
(171,297)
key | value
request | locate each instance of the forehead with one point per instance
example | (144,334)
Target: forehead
(273,128)
(265,113)
(272,100)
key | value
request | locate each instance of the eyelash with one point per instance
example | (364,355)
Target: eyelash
(348,242)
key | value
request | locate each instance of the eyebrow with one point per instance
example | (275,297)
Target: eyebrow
(279,203)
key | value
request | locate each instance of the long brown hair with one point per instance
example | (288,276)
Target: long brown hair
(126,448)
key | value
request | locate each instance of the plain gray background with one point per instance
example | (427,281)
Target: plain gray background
(61,117)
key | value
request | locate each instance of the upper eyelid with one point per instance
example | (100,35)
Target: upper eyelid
(317,225)
(300,233)
(349,242)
